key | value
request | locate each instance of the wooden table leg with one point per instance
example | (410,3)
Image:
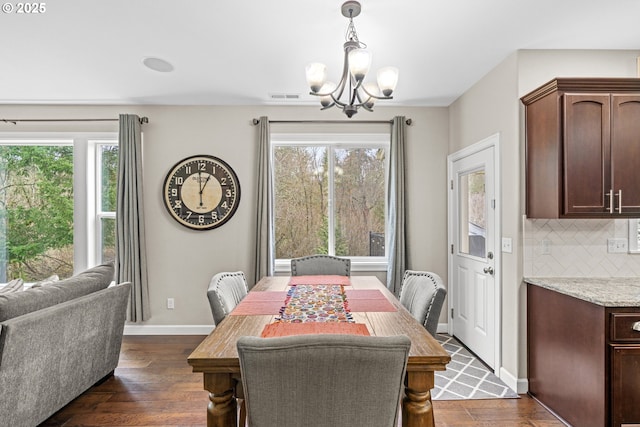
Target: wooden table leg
(222,408)
(417,410)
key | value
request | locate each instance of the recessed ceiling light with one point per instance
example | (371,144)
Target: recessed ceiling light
(157,64)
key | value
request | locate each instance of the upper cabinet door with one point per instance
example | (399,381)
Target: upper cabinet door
(586,153)
(625,152)
(583,148)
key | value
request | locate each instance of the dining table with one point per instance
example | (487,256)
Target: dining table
(371,309)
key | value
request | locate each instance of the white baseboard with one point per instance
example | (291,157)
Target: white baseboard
(131,329)
(520,385)
(443,328)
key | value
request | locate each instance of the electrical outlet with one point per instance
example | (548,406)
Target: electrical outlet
(171,304)
(546,246)
(617,246)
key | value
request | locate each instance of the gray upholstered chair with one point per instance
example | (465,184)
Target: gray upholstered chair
(423,294)
(323,380)
(320,265)
(225,291)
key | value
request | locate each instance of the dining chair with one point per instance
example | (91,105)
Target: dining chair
(320,265)
(323,380)
(422,294)
(225,291)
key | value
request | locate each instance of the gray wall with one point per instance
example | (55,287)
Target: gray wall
(492,106)
(182,261)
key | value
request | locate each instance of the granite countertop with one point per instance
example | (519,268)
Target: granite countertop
(605,291)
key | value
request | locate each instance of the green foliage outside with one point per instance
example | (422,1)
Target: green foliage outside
(36,211)
(109,164)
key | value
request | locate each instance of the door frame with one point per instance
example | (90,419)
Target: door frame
(491,141)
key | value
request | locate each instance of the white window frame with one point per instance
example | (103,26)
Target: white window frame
(333,141)
(94,206)
(86,230)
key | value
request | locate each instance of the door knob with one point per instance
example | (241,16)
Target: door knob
(488,270)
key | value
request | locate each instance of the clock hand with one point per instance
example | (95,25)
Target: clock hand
(200,185)
(202,189)
(205,184)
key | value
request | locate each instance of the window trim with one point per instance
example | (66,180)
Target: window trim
(335,141)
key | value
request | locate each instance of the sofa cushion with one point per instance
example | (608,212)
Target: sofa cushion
(18,303)
(13,286)
(47,281)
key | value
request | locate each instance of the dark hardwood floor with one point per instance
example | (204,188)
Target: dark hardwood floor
(154,386)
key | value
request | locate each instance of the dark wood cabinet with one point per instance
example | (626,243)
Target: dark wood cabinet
(583,359)
(583,148)
(624,349)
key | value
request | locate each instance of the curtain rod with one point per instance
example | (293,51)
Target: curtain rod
(407,121)
(143,120)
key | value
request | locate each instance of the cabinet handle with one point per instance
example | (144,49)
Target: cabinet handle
(610,208)
(619,201)
(636,326)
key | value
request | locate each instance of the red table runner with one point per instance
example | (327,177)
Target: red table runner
(362,300)
(281,329)
(320,280)
(256,303)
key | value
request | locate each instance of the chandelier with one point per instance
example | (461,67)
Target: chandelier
(357,62)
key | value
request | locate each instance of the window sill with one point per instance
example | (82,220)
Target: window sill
(358,265)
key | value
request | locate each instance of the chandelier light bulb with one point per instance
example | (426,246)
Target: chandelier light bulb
(316,76)
(371,89)
(326,100)
(359,63)
(387,80)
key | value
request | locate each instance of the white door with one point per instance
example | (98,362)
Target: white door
(474,259)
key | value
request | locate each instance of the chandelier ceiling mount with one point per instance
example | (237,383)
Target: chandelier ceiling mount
(357,61)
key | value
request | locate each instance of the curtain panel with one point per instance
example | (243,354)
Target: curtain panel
(263,259)
(396,241)
(131,258)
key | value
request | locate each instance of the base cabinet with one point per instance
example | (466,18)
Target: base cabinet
(584,359)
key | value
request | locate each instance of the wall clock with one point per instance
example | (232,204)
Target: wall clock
(201,192)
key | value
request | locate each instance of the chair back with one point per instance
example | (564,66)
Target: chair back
(320,265)
(225,291)
(323,380)
(423,293)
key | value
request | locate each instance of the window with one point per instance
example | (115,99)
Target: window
(57,198)
(330,197)
(106,178)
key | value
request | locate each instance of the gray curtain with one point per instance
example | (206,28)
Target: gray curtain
(396,241)
(131,258)
(263,248)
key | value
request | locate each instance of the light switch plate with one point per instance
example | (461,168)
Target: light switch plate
(506,245)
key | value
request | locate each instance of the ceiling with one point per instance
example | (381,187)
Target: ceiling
(241,52)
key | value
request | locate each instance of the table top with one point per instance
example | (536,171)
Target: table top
(218,353)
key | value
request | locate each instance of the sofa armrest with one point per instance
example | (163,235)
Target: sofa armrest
(51,356)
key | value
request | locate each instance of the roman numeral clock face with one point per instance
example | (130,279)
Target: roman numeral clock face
(201,192)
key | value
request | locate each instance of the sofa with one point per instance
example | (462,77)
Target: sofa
(56,341)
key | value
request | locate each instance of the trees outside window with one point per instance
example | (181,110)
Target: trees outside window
(329,196)
(57,205)
(36,211)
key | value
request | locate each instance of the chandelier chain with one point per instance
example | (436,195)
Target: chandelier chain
(352,35)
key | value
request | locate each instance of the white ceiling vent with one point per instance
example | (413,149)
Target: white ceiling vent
(284,96)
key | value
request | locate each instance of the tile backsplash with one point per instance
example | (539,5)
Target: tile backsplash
(576,248)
